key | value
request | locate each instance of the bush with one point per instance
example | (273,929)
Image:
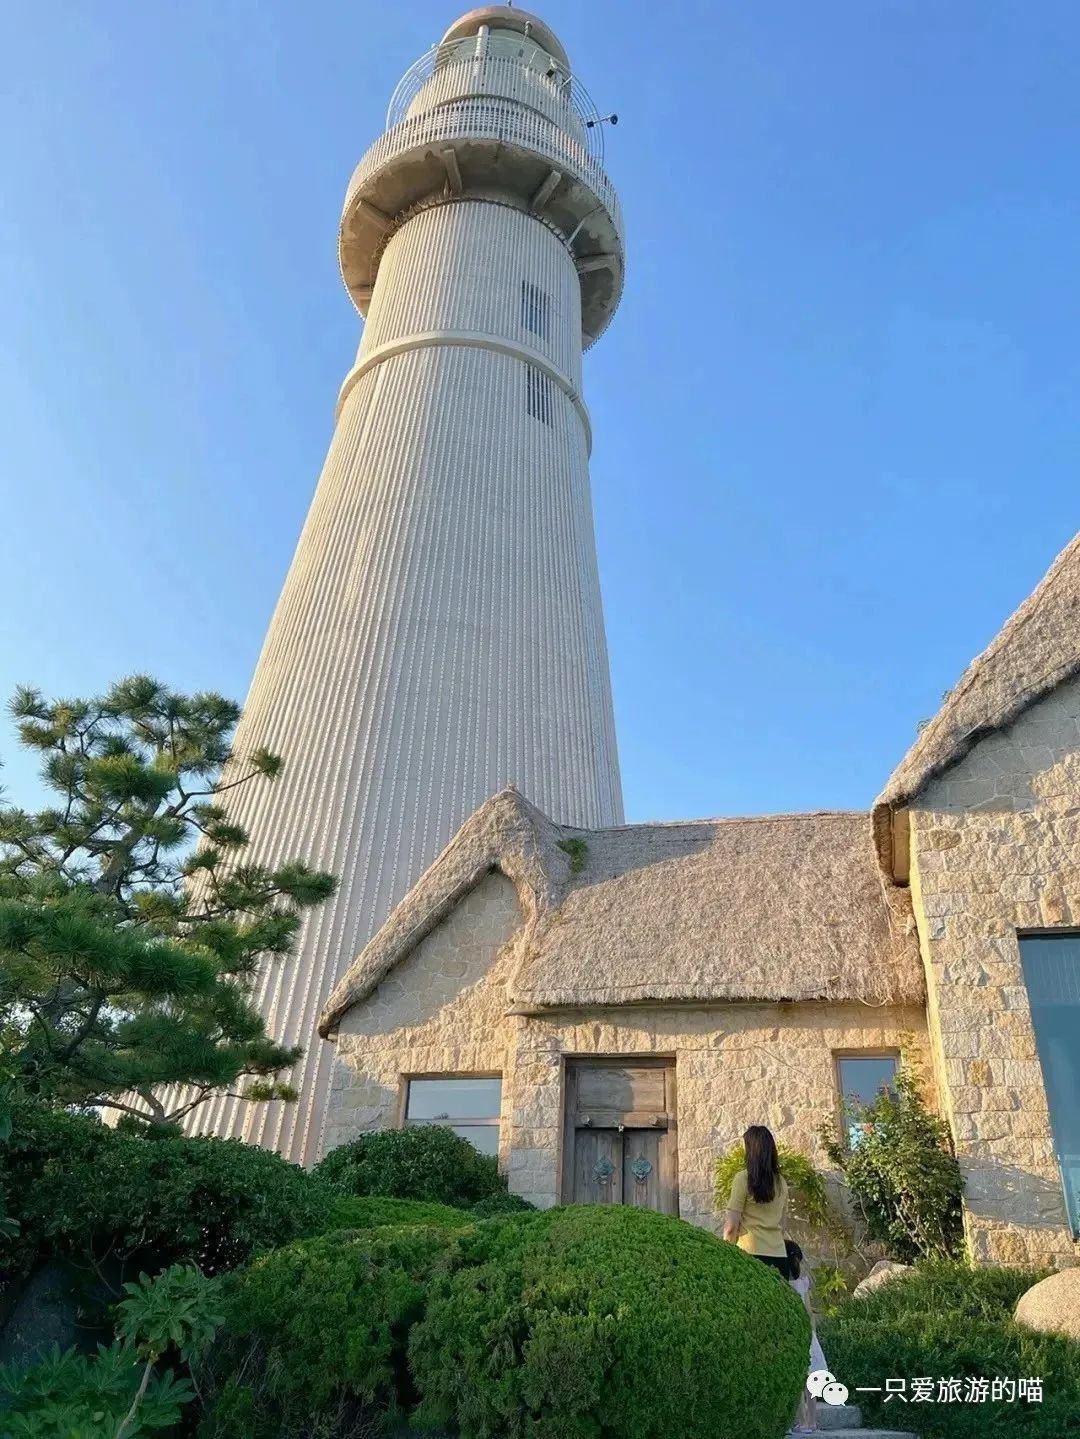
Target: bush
(377,1213)
(314,1335)
(947,1320)
(425,1162)
(808,1199)
(612,1321)
(122,1389)
(832,1257)
(496,1204)
(903,1175)
(88,1396)
(82,1190)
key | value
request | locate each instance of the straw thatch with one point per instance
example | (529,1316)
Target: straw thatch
(785,907)
(1038,649)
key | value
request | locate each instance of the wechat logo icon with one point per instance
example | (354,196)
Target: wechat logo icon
(826,1387)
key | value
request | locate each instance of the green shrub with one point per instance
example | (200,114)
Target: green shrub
(79,1396)
(496,1204)
(122,1389)
(82,1190)
(313,1342)
(902,1174)
(424,1162)
(946,1320)
(374,1212)
(607,1321)
(808,1199)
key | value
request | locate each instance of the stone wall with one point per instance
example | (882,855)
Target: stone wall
(735,1064)
(443,1011)
(996,849)
(438,1012)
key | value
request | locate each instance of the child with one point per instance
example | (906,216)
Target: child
(806,1419)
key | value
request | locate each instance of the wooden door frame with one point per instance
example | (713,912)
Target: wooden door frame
(611,1061)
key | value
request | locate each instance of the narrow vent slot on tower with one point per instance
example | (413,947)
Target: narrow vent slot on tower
(534,309)
(538,399)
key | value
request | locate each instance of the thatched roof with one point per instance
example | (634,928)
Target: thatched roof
(785,907)
(1038,649)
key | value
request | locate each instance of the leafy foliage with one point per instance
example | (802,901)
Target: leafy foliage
(77,1396)
(808,1199)
(314,1337)
(812,1217)
(607,1320)
(174,1310)
(378,1213)
(578,852)
(127,957)
(85,1191)
(500,1203)
(117,1393)
(426,1162)
(902,1174)
(951,1321)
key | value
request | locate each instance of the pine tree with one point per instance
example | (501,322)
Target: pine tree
(131,929)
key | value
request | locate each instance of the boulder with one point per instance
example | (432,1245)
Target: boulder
(883,1271)
(1053,1305)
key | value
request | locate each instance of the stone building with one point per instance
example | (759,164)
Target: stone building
(607,1009)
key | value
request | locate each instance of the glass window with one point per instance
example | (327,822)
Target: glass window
(1051,964)
(534,309)
(862,1078)
(538,394)
(468,1106)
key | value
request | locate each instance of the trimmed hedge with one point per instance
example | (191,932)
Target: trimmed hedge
(426,1162)
(81,1189)
(946,1320)
(314,1335)
(607,1321)
(495,1204)
(375,1212)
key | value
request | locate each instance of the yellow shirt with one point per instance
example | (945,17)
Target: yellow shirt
(760,1225)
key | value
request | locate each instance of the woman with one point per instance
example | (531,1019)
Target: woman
(755,1212)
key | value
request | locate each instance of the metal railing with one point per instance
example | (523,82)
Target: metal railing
(527,78)
(492,118)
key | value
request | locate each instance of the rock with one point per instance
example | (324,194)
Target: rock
(1053,1305)
(883,1271)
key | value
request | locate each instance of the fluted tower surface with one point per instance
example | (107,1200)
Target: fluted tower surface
(440,633)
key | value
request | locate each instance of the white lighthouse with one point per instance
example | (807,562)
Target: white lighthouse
(440,633)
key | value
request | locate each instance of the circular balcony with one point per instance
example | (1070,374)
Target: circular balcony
(495,146)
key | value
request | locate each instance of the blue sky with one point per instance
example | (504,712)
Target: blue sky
(836,416)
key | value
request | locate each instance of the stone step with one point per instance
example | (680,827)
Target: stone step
(872,1433)
(839,1416)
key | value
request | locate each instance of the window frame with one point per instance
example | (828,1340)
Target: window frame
(1071,1206)
(539,395)
(405,1080)
(535,307)
(882,1052)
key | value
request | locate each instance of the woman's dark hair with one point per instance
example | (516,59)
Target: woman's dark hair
(794,1258)
(762,1163)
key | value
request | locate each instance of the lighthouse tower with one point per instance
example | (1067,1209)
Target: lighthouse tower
(440,633)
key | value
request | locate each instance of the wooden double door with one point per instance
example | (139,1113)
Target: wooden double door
(620,1141)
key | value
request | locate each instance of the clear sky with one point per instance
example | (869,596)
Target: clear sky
(836,417)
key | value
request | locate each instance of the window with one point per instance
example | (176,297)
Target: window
(538,394)
(1051,964)
(862,1078)
(468,1106)
(534,309)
